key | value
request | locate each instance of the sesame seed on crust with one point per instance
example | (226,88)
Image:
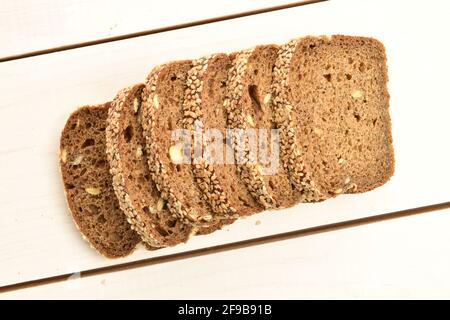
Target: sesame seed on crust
(290,152)
(248,171)
(150,105)
(193,111)
(141,221)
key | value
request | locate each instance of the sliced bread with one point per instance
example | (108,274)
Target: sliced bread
(332,105)
(203,103)
(162,113)
(138,196)
(248,104)
(88,184)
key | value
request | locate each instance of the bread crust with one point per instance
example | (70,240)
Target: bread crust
(249,105)
(249,172)
(291,156)
(199,216)
(205,175)
(214,180)
(141,209)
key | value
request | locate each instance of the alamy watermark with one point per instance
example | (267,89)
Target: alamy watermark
(260,147)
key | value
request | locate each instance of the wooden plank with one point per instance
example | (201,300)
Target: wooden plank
(38,238)
(27,26)
(398,259)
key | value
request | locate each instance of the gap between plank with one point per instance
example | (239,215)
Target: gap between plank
(159,30)
(230,246)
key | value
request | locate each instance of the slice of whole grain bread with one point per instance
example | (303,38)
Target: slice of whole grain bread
(333,108)
(203,102)
(137,193)
(88,184)
(162,113)
(248,103)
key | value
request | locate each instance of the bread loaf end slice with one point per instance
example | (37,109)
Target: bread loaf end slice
(88,184)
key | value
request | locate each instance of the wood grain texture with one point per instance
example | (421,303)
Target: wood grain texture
(227,247)
(27,26)
(38,237)
(399,259)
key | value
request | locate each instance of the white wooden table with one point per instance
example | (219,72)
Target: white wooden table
(41,83)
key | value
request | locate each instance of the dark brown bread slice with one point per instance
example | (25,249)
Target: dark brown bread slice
(249,107)
(203,102)
(161,114)
(333,104)
(88,184)
(137,193)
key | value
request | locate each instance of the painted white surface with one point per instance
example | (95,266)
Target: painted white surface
(37,236)
(406,258)
(31,25)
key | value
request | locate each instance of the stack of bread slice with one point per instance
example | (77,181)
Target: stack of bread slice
(125,175)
